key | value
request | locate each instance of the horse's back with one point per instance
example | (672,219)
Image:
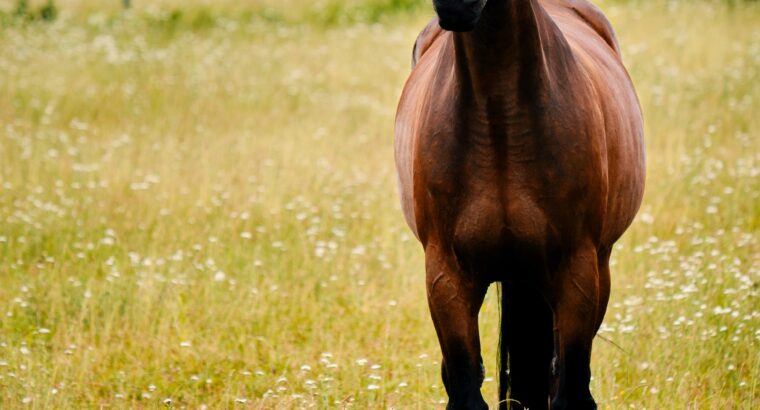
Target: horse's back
(589,15)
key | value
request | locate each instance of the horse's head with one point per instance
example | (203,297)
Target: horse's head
(458,15)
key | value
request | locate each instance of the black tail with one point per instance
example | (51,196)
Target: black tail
(526,347)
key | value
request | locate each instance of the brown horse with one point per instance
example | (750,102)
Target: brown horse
(520,157)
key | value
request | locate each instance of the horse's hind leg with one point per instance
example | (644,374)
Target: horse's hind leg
(575,302)
(455,299)
(528,336)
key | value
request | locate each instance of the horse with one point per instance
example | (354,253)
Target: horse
(519,151)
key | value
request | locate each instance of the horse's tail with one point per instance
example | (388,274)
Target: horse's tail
(504,289)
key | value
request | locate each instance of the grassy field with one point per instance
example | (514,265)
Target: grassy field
(198,208)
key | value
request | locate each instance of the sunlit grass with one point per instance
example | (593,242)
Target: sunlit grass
(208,216)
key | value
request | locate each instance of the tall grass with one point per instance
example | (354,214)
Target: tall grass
(205,214)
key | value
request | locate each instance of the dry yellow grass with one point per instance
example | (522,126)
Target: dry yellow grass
(206,214)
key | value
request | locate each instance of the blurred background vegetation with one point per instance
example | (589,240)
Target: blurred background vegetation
(203,12)
(199,13)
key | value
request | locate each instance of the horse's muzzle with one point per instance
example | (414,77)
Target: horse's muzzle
(456,25)
(458,15)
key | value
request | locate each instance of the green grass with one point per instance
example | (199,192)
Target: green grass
(206,212)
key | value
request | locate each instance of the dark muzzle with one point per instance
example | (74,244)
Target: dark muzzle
(458,15)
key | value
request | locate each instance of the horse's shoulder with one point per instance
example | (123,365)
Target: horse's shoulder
(596,20)
(425,39)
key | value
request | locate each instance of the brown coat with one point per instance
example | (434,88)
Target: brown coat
(520,158)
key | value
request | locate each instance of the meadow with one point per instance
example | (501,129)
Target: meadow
(198,210)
